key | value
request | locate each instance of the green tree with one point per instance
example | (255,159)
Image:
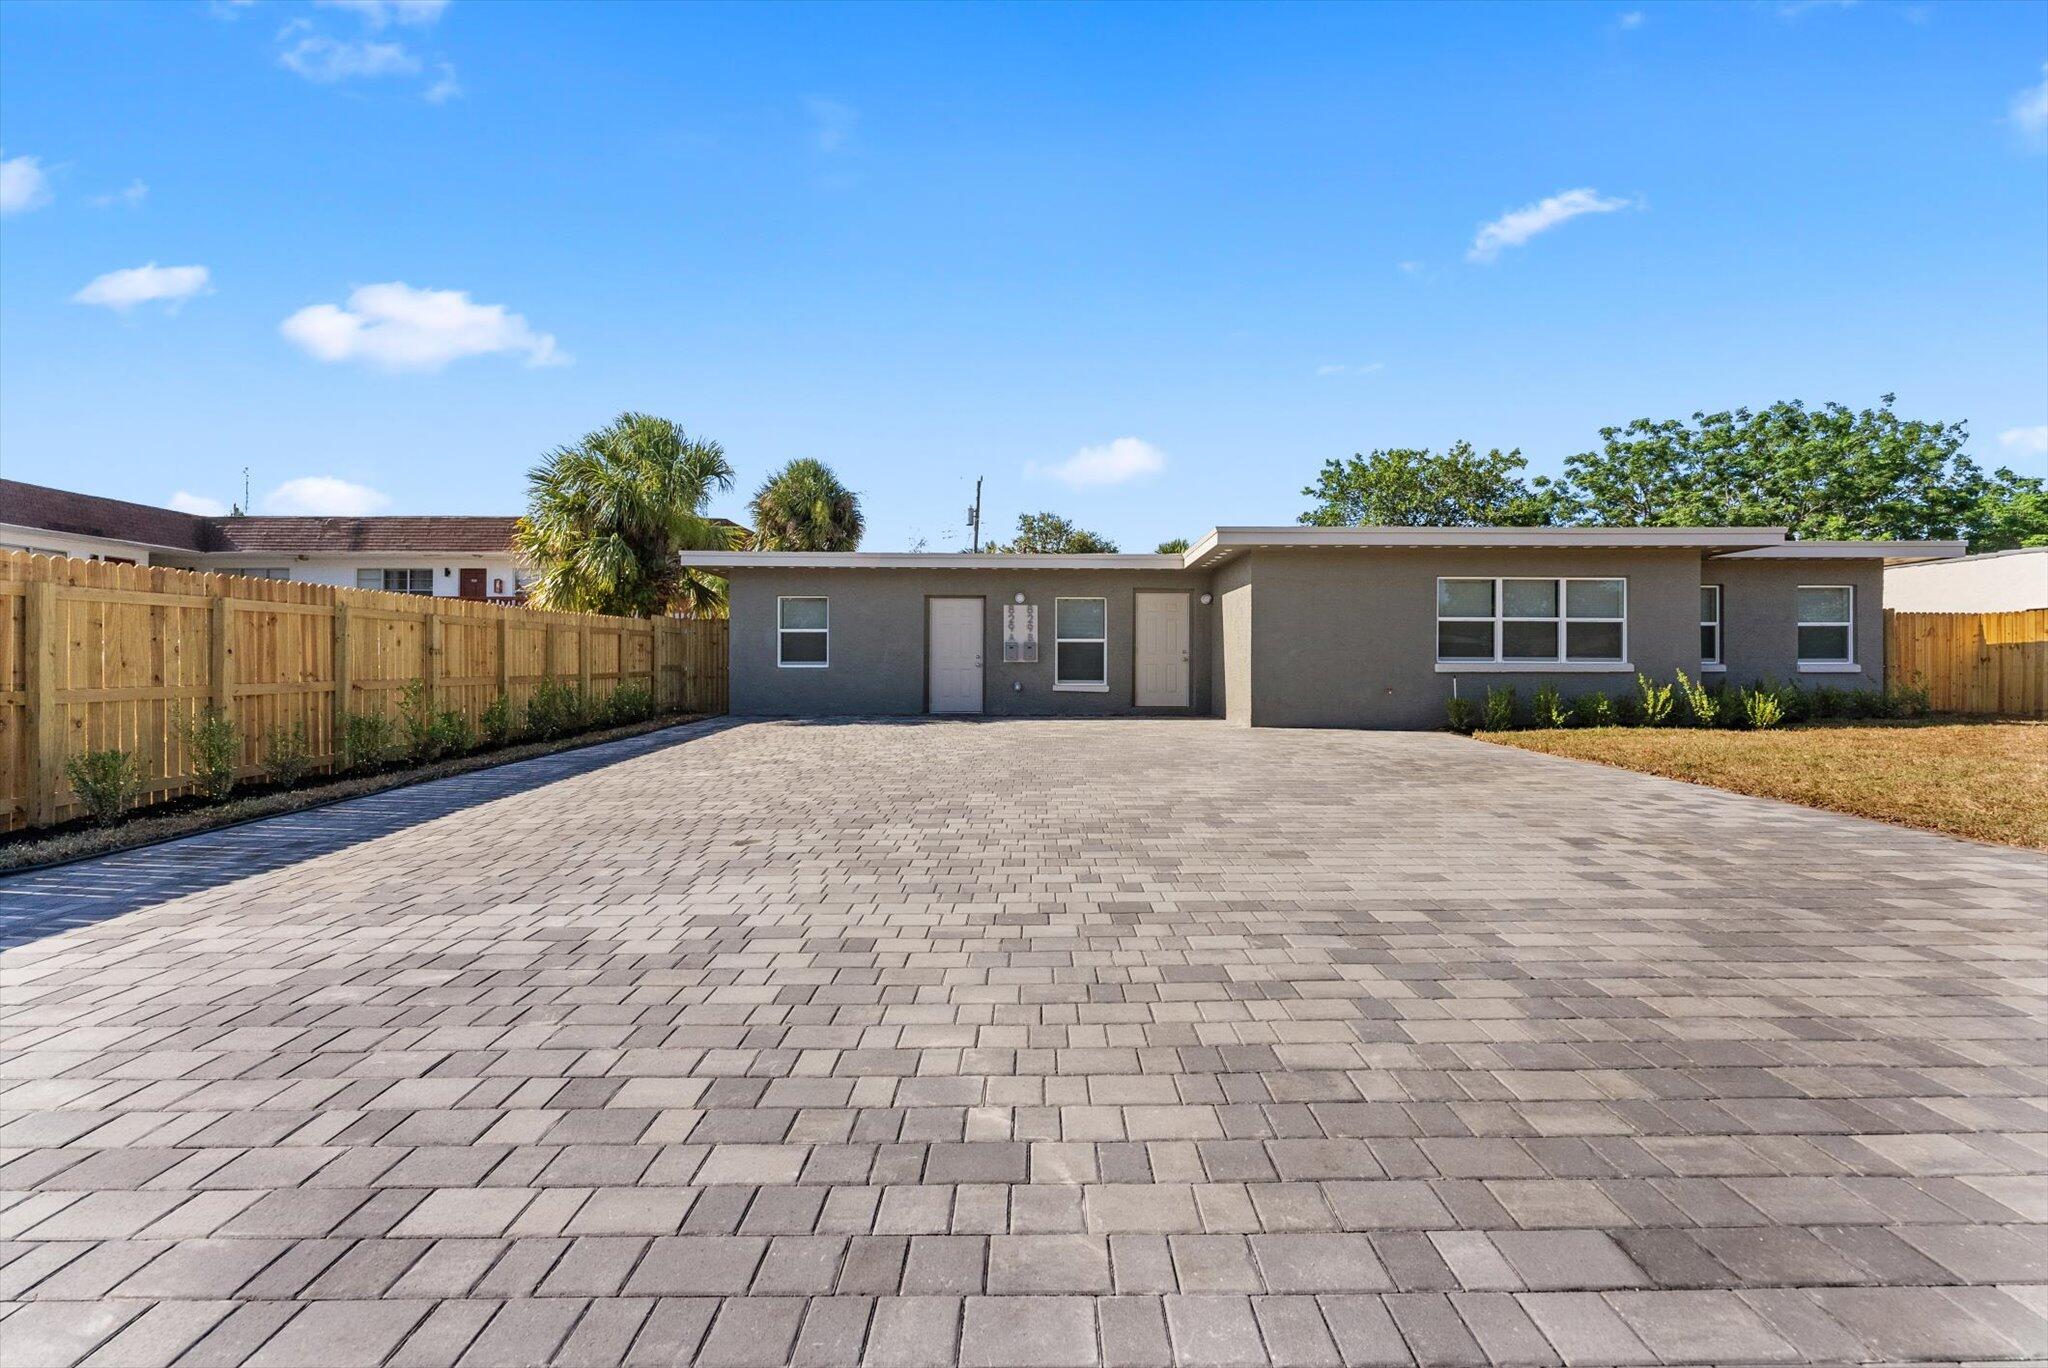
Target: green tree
(1409,487)
(803,507)
(1174,546)
(1046,534)
(607,518)
(1830,472)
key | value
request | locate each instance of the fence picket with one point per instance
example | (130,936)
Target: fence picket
(1984,663)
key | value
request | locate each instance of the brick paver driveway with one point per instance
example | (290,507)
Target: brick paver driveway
(1048,1043)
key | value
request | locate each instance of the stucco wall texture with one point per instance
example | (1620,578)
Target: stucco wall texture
(1310,637)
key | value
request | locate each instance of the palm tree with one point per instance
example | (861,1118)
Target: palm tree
(607,517)
(803,507)
(1175,544)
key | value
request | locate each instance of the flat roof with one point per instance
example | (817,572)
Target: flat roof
(1890,552)
(927,560)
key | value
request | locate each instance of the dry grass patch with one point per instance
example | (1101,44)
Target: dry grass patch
(1984,780)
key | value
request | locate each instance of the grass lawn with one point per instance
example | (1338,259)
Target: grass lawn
(1984,780)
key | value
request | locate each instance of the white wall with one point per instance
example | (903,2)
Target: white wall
(14,537)
(1996,582)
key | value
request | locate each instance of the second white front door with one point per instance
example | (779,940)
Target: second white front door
(954,633)
(1162,653)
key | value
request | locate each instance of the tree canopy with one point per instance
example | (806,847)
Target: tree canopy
(1173,546)
(1046,534)
(1830,472)
(803,507)
(607,518)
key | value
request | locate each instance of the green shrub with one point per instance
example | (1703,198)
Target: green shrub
(1793,702)
(1825,701)
(1550,709)
(416,716)
(1594,710)
(449,734)
(628,703)
(1655,700)
(1762,709)
(555,709)
(215,746)
(1704,706)
(106,782)
(496,721)
(1460,716)
(369,741)
(1628,710)
(1500,708)
(287,755)
(1906,700)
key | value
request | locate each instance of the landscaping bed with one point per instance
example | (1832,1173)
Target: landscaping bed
(1984,780)
(81,839)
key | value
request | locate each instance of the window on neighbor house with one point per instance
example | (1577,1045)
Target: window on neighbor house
(1081,644)
(278,572)
(396,581)
(803,633)
(1827,624)
(1531,621)
(1710,624)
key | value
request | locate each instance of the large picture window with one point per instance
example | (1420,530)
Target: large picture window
(803,633)
(1081,644)
(396,581)
(1515,622)
(1827,626)
(1710,625)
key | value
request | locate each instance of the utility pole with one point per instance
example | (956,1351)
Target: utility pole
(245,489)
(974,514)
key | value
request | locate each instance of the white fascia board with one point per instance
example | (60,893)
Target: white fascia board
(1709,539)
(922,560)
(1890,552)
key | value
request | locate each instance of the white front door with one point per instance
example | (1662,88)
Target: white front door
(954,632)
(1162,650)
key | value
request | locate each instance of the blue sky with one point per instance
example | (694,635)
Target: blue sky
(1147,266)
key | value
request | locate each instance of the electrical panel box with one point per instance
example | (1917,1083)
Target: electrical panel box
(1020,633)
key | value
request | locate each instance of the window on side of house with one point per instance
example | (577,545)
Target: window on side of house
(1524,621)
(1710,625)
(1081,644)
(396,581)
(1827,625)
(803,633)
(276,572)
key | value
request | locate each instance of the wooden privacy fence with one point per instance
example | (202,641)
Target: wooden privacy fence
(1971,662)
(96,656)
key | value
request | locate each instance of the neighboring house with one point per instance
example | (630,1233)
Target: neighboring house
(1301,626)
(1994,582)
(448,557)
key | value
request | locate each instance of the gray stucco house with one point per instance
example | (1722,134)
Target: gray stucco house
(1301,626)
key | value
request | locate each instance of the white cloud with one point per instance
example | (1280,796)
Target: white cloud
(1117,462)
(23,186)
(326,60)
(1338,368)
(397,327)
(2032,441)
(133,194)
(324,496)
(142,284)
(1799,9)
(832,123)
(198,503)
(445,87)
(1516,227)
(2029,112)
(1631,19)
(377,13)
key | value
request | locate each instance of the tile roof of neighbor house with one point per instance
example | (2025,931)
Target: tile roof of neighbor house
(88,515)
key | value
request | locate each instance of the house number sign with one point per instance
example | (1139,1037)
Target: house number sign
(1020,633)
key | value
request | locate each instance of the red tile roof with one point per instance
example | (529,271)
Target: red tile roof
(89,515)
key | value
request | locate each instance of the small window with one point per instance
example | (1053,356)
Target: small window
(277,572)
(1710,624)
(804,633)
(1531,621)
(396,581)
(1827,624)
(1081,644)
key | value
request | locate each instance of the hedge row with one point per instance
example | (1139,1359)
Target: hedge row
(1685,702)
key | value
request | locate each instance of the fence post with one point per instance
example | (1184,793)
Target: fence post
(344,684)
(505,657)
(583,658)
(46,751)
(220,681)
(550,661)
(431,661)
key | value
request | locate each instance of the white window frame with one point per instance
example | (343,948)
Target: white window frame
(1080,685)
(1718,660)
(1848,666)
(1522,665)
(382,573)
(782,632)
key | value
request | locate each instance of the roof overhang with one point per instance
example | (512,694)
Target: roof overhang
(1890,552)
(922,560)
(1222,543)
